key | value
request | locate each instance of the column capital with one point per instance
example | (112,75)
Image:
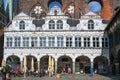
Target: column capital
(73,60)
(56,59)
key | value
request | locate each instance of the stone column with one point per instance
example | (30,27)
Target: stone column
(47,41)
(116,68)
(73,41)
(56,41)
(21,64)
(64,39)
(91,65)
(73,67)
(91,41)
(55,66)
(38,65)
(82,41)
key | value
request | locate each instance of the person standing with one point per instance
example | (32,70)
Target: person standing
(3,73)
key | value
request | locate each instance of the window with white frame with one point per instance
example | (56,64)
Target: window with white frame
(105,42)
(25,41)
(86,42)
(17,41)
(59,24)
(51,24)
(33,41)
(22,25)
(90,24)
(77,41)
(68,41)
(43,41)
(51,41)
(60,42)
(9,41)
(95,42)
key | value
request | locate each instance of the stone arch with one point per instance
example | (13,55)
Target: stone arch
(13,61)
(65,62)
(82,64)
(119,60)
(46,63)
(101,64)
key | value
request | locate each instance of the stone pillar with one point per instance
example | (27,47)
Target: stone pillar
(82,41)
(91,65)
(73,67)
(47,44)
(55,66)
(56,41)
(64,39)
(116,68)
(73,41)
(21,65)
(91,41)
(38,62)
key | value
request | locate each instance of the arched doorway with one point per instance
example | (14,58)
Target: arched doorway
(13,62)
(31,63)
(82,64)
(119,60)
(101,64)
(66,63)
(47,64)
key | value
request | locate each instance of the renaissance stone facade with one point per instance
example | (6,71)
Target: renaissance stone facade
(71,43)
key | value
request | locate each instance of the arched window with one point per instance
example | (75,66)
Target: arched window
(59,24)
(22,25)
(55,12)
(90,24)
(51,24)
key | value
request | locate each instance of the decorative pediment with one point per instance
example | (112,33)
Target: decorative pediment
(21,15)
(90,13)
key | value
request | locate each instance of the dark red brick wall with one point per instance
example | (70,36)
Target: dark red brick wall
(80,5)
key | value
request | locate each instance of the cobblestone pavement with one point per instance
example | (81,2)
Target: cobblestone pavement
(71,77)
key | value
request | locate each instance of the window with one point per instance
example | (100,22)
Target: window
(55,12)
(59,41)
(105,42)
(9,42)
(90,24)
(22,25)
(51,24)
(96,42)
(34,41)
(43,42)
(59,24)
(17,41)
(51,41)
(25,41)
(69,42)
(87,42)
(77,42)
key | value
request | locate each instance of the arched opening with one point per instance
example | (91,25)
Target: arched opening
(13,62)
(82,64)
(101,64)
(119,60)
(47,64)
(66,63)
(31,63)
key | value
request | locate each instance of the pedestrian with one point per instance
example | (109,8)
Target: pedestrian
(3,73)
(91,71)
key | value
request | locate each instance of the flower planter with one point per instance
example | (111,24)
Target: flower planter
(58,75)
